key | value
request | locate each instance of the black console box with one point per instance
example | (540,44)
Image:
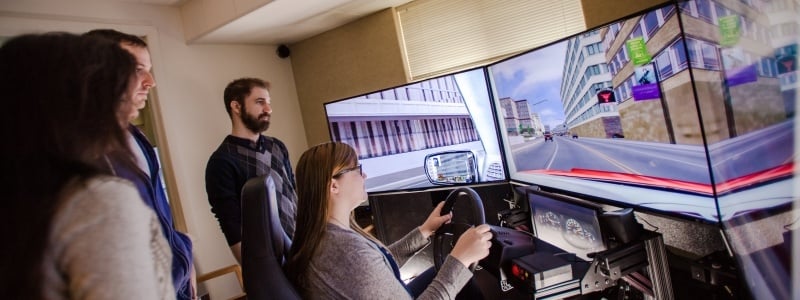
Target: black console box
(507,244)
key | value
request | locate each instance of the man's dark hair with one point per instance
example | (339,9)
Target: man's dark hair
(239,89)
(117,37)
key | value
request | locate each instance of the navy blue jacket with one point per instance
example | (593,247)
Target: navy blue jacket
(152,192)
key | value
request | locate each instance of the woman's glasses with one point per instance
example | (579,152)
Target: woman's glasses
(358,167)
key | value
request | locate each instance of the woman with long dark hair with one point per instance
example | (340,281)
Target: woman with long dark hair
(333,258)
(70,229)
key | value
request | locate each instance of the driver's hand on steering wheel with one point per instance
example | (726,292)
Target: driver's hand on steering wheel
(473,245)
(435,221)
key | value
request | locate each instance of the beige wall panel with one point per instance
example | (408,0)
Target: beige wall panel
(357,58)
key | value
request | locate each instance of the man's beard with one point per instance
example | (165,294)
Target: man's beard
(255,124)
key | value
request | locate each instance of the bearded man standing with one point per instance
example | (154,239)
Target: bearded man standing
(245,154)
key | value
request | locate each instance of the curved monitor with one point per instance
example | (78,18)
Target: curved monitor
(686,109)
(641,112)
(393,130)
(612,115)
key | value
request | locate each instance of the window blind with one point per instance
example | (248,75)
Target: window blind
(444,36)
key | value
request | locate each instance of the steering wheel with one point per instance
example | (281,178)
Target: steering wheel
(446,236)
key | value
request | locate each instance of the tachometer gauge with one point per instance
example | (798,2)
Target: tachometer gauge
(573,227)
(551,219)
(575,234)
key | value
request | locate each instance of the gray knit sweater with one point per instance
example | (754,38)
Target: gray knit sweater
(105,243)
(349,266)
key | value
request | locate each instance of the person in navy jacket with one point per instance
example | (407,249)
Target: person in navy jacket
(147,177)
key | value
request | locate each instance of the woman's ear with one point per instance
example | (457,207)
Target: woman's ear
(334,186)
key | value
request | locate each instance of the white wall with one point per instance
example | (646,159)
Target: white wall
(189,96)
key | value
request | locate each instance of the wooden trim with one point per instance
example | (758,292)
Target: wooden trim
(222,271)
(156,124)
(178,218)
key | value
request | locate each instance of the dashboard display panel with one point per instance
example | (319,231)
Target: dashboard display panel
(573,227)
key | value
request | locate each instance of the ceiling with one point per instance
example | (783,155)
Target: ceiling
(286,21)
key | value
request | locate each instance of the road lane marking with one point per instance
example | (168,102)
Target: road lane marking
(610,160)
(702,166)
(552,158)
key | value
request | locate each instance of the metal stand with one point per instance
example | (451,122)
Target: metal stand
(627,263)
(658,268)
(642,264)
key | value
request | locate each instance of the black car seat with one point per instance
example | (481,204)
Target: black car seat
(264,243)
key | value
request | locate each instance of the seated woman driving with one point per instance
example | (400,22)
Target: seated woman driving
(333,258)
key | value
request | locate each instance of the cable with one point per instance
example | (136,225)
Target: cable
(648,223)
(572,258)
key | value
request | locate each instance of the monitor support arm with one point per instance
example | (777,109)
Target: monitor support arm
(611,265)
(626,262)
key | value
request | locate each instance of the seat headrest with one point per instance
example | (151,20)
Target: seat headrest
(264,242)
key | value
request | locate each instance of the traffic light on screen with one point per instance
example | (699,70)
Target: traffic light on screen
(606,96)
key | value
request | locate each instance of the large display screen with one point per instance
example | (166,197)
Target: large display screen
(604,113)
(686,109)
(394,129)
(636,107)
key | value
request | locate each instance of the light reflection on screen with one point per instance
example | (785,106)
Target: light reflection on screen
(571,227)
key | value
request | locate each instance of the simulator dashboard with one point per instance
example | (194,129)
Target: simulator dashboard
(577,248)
